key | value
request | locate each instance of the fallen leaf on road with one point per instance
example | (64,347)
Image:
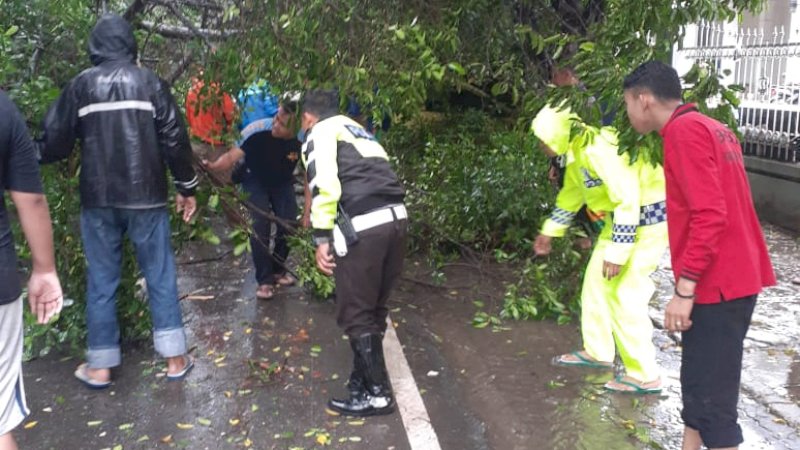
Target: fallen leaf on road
(93,423)
(355,423)
(167,439)
(48,409)
(203,421)
(354,439)
(125,426)
(233,422)
(143,438)
(30,424)
(184,426)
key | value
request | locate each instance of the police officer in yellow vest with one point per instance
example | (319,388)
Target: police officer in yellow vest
(617,286)
(357,209)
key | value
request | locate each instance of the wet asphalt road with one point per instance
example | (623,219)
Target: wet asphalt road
(265,370)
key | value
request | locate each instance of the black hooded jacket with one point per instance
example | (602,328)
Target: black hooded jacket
(128,124)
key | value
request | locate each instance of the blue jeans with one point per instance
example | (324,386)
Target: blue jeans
(281,200)
(102,230)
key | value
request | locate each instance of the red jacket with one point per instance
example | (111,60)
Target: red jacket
(714,235)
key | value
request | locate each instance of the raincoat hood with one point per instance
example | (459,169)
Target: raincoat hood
(112,40)
(256,103)
(553,126)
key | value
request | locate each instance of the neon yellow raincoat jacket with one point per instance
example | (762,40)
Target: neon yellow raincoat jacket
(632,199)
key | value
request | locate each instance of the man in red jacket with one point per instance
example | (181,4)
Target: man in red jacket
(719,257)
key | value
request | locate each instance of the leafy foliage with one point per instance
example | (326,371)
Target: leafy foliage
(472,181)
(547,289)
(303,252)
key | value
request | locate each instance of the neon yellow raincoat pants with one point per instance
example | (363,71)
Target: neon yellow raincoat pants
(632,198)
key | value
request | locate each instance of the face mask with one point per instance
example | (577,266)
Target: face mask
(301,135)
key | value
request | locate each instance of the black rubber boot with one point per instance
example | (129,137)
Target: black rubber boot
(375,398)
(355,384)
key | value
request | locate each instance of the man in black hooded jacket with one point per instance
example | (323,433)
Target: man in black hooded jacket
(130,131)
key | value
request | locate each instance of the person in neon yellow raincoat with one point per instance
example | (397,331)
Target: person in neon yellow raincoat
(617,286)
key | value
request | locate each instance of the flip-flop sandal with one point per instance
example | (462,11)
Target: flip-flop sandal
(91,383)
(581,361)
(186,369)
(267,296)
(636,389)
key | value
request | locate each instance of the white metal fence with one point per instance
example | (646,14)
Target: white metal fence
(766,63)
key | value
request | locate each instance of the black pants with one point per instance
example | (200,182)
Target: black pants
(365,277)
(711,370)
(282,202)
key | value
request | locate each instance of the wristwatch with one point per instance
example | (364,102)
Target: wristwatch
(319,240)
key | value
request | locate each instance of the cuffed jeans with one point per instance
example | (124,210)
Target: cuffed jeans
(281,200)
(102,230)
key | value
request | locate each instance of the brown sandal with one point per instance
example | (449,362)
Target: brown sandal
(284,280)
(265,292)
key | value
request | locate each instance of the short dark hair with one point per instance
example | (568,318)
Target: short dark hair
(321,103)
(290,101)
(658,78)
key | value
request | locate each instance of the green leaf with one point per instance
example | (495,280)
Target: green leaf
(12,30)
(499,89)
(457,68)
(241,248)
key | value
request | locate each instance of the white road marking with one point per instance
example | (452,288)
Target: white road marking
(416,421)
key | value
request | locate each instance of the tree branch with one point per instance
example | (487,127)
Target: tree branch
(134,9)
(184,64)
(176,32)
(186,22)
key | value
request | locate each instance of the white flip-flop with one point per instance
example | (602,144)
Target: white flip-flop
(186,369)
(91,383)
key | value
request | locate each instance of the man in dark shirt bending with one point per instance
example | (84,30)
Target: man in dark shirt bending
(270,151)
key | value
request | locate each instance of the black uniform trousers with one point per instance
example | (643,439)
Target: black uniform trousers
(366,275)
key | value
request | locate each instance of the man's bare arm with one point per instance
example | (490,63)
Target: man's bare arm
(44,288)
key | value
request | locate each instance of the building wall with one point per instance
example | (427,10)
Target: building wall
(776,191)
